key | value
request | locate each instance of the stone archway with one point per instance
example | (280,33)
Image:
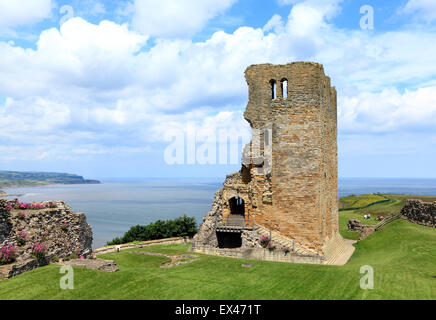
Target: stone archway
(237,207)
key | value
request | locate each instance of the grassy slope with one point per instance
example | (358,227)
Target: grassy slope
(394,205)
(403,256)
(361,201)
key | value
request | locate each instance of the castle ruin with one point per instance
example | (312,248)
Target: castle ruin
(287,187)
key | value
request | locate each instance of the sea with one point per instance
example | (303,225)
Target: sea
(113,206)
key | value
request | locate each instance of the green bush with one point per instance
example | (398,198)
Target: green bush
(180,227)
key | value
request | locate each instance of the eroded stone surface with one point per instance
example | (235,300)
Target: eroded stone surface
(357,226)
(11,270)
(96,264)
(420,212)
(61,230)
(175,260)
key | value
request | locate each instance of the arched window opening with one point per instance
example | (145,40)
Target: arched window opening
(237,206)
(284,84)
(273,89)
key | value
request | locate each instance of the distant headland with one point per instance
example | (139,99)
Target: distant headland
(11,179)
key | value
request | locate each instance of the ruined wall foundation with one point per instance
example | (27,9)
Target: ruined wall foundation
(420,212)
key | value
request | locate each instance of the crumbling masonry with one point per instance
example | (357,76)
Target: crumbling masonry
(288,180)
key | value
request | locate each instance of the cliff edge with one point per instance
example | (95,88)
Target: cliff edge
(52,226)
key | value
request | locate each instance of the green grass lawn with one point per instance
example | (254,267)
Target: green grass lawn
(403,256)
(361,201)
(394,205)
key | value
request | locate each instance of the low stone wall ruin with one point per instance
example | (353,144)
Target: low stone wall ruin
(420,212)
(357,226)
(258,254)
(115,248)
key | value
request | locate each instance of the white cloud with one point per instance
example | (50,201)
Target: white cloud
(389,111)
(15,13)
(423,9)
(175,18)
(328,8)
(94,88)
(275,24)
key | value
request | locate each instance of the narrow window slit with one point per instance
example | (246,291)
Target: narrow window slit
(284,84)
(273,89)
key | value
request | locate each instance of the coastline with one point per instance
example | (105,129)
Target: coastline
(15,186)
(4,194)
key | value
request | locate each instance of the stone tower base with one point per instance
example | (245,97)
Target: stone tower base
(337,250)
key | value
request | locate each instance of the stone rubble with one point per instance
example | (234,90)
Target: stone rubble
(96,264)
(420,212)
(357,226)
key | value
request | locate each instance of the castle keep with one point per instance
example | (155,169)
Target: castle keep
(287,186)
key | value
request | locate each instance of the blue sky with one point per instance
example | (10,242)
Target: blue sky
(98,88)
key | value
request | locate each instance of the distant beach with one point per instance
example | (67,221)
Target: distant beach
(114,206)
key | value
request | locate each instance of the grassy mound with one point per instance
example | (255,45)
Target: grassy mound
(354,202)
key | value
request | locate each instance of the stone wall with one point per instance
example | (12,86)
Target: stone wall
(258,254)
(298,197)
(357,226)
(420,212)
(61,230)
(115,248)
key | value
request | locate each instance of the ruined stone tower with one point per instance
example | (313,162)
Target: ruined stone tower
(288,180)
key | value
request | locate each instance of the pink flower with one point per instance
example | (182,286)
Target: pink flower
(22,238)
(39,250)
(7,254)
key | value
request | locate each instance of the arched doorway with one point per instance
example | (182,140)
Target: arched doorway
(229,236)
(237,207)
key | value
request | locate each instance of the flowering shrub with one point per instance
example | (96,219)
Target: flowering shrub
(264,241)
(15,204)
(51,204)
(39,251)
(271,246)
(7,254)
(76,254)
(22,238)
